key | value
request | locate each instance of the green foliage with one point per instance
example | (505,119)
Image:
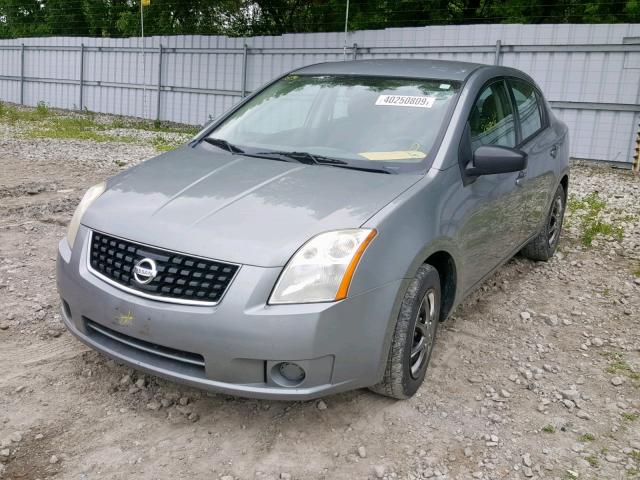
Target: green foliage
(41,122)
(549,429)
(42,110)
(163,145)
(593,460)
(619,366)
(76,128)
(117,18)
(587,437)
(10,114)
(629,416)
(588,211)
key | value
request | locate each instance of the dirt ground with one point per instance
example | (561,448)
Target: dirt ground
(535,376)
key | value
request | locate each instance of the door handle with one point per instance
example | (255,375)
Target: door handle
(554,151)
(520,177)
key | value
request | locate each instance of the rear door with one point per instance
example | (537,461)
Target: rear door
(491,229)
(541,145)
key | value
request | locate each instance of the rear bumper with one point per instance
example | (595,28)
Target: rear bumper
(233,347)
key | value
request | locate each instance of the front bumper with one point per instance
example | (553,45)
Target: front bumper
(240,341)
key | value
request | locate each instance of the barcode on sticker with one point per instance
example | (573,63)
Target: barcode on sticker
(406,101)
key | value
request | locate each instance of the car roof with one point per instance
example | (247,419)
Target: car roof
(409,68)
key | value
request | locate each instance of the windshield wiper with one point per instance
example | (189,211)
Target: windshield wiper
(313,159)
(220,143)
(302,157)
(365,169)
(306,157)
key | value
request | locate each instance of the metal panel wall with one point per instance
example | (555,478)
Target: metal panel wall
(590,73)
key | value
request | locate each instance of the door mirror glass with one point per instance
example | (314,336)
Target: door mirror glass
(493,159)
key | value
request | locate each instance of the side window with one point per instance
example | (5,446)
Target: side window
(492,121)
(528,106)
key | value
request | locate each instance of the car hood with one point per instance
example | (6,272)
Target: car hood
(239,209)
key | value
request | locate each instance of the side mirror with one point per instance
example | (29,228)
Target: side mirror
(492,159)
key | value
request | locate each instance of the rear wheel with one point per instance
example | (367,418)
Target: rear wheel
(414,336)
(543,246)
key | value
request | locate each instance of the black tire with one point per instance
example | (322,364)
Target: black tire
(543,246)
(421,304)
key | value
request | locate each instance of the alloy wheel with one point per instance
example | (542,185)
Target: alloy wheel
(423,333)
(554,221)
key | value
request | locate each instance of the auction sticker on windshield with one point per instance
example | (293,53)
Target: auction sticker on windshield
(406,101)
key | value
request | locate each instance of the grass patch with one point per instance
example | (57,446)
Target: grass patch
(593,460)
(633,472)
(163,145)
(163,128)
(587,211)
(635,455)
(587,437)
(619,366)
(41,122)
(549,429)
(77,128)
(152,126)
(11,115)
(630,417)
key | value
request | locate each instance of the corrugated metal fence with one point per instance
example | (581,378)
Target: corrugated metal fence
(590,73)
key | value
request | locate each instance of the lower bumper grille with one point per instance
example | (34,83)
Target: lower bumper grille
(152,353)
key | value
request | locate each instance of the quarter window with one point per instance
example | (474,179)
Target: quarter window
(528,107)
(492,121)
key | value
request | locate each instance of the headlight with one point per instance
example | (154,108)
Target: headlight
(321,270)
(90,195)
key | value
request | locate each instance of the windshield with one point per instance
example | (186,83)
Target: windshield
(365,122)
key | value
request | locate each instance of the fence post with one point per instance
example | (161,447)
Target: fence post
(81,74)
(22,74)
(245,54)
(159,84)
(498,52)
(355,51)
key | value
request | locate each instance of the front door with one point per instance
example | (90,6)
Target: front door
(492,223)
(541,145)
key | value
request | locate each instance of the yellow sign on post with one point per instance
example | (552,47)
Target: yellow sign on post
(145,3)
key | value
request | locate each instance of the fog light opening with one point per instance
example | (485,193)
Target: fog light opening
(288,374)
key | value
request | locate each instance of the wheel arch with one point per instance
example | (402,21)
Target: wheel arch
(564,181)
(445,264)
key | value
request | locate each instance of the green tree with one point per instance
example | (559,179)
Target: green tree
(118,18)
(22,18)
(102,16)
(65,17)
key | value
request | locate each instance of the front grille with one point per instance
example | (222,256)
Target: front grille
(180,278)
(177,360)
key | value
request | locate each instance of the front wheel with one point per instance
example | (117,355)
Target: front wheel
(543,246)
(414,336)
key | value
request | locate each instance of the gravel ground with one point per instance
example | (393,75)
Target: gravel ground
(535,376)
